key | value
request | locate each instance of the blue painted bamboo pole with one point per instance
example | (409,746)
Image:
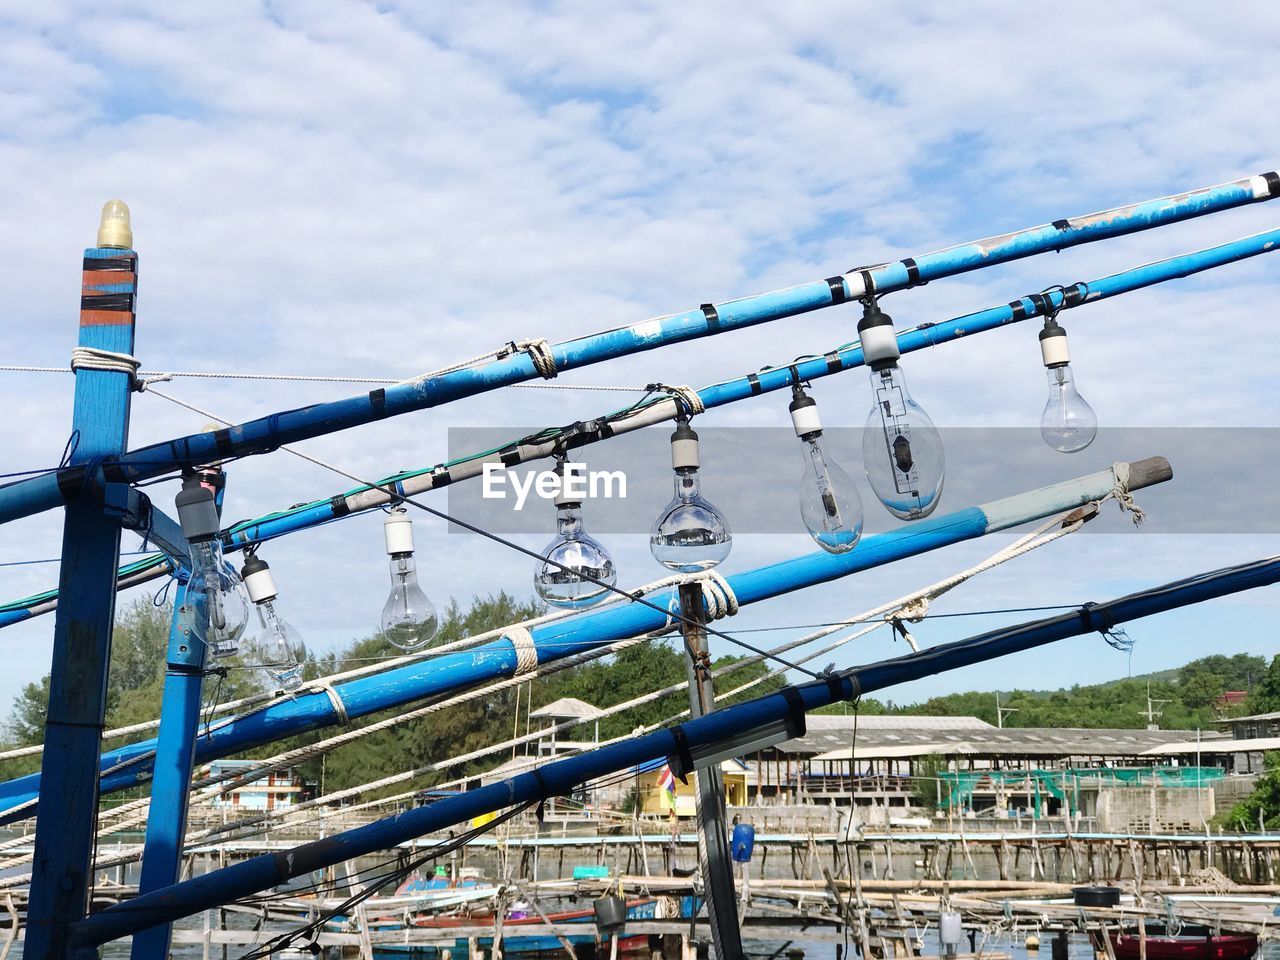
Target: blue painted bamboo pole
(564,638)
(27,497)
(171,783)
(552,779)
(731,391)
(82,631)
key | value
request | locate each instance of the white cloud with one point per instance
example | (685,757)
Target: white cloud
(372,190)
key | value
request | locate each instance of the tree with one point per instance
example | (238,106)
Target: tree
(1263,805)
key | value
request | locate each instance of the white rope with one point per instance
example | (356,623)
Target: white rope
(718,596)
(684,394)
(335,698)
(526,650)
(91,358)
(544,360)
(1120,493)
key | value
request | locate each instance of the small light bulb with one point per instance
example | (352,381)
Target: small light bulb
(276,638)
(218,611)
(690,534)
(409,619)
(585,558)
(114,229)
(829,503)
(901,448)
(1068,423)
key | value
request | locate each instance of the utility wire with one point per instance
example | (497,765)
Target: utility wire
(510,544)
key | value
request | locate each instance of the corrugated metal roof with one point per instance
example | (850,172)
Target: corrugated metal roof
(569,707)
(1274,715)
(1217,745)
(1009,742)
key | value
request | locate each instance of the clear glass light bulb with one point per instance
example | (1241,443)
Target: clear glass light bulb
(829,501)
(585,557)
(690,534)
(901,448)
(1068,423)
(408,618)
(280,643)
(216,591)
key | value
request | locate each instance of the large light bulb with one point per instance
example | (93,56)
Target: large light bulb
(214,590)
(409,619)
(573,561)
(901,448)
(690,534)
(277,639)
(1068,423)
(829,503)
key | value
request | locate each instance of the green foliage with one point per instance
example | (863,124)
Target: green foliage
(1263,805)
(141,635)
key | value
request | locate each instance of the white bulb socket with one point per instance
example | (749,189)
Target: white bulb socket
(879,344)
(1054,350)
(397,530)
(684,448)
(806,420)
(261,586)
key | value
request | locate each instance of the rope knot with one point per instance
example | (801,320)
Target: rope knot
(526,651)
(683,395)
(717,596)
(1120,492)
(540,352)
(91,358)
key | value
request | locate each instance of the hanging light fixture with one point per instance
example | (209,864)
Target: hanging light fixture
(829,503)
(409,619)
(575,566)
(214,591)
(276,637)
(690,534)
(901,448)
(1068,423)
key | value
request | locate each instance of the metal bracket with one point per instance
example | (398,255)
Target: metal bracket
(138,513)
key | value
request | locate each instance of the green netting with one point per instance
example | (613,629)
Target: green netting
(959,786)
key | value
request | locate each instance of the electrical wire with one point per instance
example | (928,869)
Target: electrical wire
(512,545)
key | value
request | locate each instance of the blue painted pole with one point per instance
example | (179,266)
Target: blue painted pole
(66,827)
(849,357)
(31,496)
(564,638)
(171,782)
(261,873)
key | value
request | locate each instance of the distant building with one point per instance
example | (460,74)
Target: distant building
(1255,726)
(280,788)
(658,791)
(1231,698)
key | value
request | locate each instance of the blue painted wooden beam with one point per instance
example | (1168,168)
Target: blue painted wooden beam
(31,496)
(850,357)
(560,777)
(65,829)
(564,638)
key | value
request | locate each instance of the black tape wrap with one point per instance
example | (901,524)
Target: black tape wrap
(713,316)
(795,703)
(838,294)
(1273,183)
(684,759)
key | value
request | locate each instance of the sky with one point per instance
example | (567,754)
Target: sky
(377,190)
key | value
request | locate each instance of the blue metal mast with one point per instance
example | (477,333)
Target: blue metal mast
(87,585)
